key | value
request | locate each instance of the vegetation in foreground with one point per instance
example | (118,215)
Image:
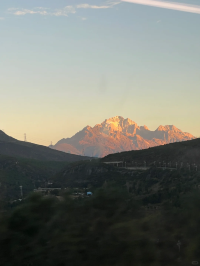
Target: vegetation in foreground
(109,228)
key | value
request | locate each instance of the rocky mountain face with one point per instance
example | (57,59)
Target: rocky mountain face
(117,134)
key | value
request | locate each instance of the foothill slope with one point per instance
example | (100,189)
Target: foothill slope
(13,147)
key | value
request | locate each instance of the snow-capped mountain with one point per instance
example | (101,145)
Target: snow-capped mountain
(117,134)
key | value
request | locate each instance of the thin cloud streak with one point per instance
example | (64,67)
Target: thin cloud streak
(168,5)
(43,11)
(26,11)
(92,6)
(60,12)
(109,4)
(64,11)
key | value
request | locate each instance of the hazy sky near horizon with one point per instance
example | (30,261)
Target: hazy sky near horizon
(65,64)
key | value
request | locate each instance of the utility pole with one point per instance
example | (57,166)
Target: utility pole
(179,245)
(21,192)
(25,137)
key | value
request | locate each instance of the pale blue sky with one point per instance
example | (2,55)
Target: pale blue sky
(66,65)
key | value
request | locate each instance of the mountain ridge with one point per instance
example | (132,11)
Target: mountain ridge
(117,134)
(13,147)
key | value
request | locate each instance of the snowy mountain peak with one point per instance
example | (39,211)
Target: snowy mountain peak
(117,134)
(168,128)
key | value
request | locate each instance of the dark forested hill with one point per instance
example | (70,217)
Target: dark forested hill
(134,217)
(186,152)
(12,147)
(84,174)
(29,173)
(154,185)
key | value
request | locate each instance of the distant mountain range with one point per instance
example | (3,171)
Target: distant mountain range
(117,134)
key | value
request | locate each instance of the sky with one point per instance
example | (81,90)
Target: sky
(66,64)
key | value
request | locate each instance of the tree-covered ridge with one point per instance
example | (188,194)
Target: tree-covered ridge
(155,186)
(182,153)
(28,173)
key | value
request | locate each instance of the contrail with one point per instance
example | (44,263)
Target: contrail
(168,5)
